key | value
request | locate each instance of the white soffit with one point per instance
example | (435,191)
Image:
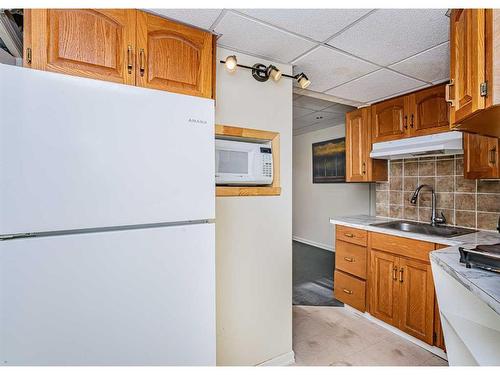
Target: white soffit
(256,38)
(432,65)
(390,35)
(203,18)
(327,68)
(377,85)
(317,24)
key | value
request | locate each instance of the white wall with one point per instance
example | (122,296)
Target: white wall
(313,204)
(254,234)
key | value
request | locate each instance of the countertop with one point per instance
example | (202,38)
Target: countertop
(484,284)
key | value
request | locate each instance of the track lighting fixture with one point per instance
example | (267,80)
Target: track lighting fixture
(274,73)
(231,63)
(262,73)
(302,80)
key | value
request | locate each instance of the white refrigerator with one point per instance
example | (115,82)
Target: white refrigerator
(107,238)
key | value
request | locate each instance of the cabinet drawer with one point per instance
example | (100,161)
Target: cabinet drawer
(352,235)
(351,258)
(406,247)
(350,290)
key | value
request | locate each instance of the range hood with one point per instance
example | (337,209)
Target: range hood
(449,143)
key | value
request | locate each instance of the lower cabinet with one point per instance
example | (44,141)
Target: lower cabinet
(402,293)
(350,290)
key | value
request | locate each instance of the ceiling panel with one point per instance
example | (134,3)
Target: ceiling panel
(432,65)
(315,117)
(203,18)
(327,68)
(387,36)
(339,108)
(376,85)
(243,34)
(311,103)
(300,112)
(317,24)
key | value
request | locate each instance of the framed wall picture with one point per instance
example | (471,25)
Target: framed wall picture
(329,161)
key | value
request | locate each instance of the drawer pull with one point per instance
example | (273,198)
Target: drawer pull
(349,235)
(347,259)
(347,291)
(447,93)
(395,273)
(401,270)
(129,59)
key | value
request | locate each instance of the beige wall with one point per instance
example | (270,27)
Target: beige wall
(313,204)
(254,234)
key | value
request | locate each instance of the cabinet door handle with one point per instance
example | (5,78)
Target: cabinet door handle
(395,273)
(28,55)
(349,235)
(411,120)
(401,270)
(405,122)
(350,260)
(363,170)
(141,66)
(347,291)
(493,156)
(447,93)
(129,59)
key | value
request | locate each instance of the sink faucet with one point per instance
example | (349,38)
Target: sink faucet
(434,220)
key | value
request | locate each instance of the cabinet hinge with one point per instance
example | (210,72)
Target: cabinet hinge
(483,89)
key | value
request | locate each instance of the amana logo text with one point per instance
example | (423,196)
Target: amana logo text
(195,121)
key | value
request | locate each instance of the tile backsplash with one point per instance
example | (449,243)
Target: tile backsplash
(466,203)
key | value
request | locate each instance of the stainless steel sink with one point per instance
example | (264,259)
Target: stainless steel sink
(413,227)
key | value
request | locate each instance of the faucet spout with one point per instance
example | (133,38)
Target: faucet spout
(434,219)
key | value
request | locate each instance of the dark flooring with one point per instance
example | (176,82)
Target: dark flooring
(313,276)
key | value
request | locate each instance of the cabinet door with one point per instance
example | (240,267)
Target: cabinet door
(173,57)
(480,156)
(389,120)
(428,112)
(357,145)
(467,62)
(93,43)
(416,315)
(384,287)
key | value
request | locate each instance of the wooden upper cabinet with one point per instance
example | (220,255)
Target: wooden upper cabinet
(359,166)
(481,156)
(467,62)
(416,316)
(357,144)
(93,43)
(173,57)
(384,286)
(389,120)
(428,112)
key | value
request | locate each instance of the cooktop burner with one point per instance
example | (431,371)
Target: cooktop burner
(482,256)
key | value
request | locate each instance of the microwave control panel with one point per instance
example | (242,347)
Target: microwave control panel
(267,164)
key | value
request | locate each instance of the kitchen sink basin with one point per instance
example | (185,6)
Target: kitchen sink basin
(413,227)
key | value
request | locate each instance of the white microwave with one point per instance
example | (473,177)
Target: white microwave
(243,163)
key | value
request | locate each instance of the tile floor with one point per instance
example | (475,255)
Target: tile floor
(334,336)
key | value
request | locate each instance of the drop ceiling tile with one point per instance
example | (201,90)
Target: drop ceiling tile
(432,65)
(203,18)
(300,112)
(316,117)
(339,108)
(243,34)
(326,68)
(387,36)
(317,24)
(311,103)
(380,84)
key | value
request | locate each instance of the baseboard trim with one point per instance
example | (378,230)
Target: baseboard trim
(314,243)
(433,349)
(286,359)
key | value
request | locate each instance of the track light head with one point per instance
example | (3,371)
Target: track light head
(302,80)
(259,72)
(231,63)
(274,73)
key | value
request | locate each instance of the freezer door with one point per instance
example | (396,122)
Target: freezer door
(138,297)
(81,153)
